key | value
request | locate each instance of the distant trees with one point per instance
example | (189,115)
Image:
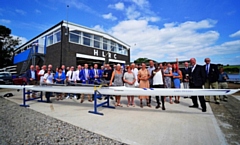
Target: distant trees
(7,46)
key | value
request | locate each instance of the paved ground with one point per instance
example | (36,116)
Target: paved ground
(134,125)
(228,118)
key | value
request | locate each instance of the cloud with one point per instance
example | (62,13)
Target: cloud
(236,34)
(109,16)
(21,12)
(37,11)
(98,28)
(141,3)
(173,40)
(23,39)
(5,21)
(117,6)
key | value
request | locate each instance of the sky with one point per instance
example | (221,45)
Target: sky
(162,30)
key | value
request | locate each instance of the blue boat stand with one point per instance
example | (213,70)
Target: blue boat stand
(30,92)
(106,104)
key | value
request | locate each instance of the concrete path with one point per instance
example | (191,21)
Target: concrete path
(179,124)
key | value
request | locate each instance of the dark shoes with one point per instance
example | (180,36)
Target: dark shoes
(158,106)
(193,106)
(163,108)
(217,103)
(49,102)
(204,110)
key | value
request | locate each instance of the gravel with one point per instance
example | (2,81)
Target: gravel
(19,125)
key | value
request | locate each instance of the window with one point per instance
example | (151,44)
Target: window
(57,37)
(97,41)
(105,44)
(125,51)
(49,40)
(113,46)
(86,39)
(119,48)
(74,38)
(76,32)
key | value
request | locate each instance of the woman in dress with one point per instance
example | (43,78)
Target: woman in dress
(59,78)
(167,77)
(177,75)
(129,79)
(143,76)
(117,75)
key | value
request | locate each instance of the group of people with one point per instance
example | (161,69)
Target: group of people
(163,75)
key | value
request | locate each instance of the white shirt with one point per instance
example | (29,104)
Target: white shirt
(48,78)
(135,72)
(41,72)
(157,79)
(86,74)
(33,74)
(150,69)
(77,75)
(71,75)
(193,67)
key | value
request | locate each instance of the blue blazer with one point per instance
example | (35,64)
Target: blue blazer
(29,75)
(63,76)
(99,74)
(82,75)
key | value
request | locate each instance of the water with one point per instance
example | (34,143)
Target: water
(234,76)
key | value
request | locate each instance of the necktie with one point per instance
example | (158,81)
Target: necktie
(207,69)
(96,72)
(71,75)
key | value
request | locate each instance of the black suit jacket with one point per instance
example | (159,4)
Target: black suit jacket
(197,77)
(213,73)
(184,72)
(29,75)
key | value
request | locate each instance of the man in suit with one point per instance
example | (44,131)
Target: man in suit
(196,81)
(185,73)
(85,76)
(96,74)
(212,75)
(31,76)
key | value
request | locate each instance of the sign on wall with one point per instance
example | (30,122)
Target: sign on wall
(104,53)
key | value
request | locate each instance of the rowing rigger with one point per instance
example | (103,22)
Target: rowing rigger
(98,91)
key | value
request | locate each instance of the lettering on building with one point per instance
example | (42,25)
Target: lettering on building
(103,54)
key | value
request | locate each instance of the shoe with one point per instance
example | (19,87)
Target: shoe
(49,101)
(217,102)
(78,97)
(99,98)
(225,100)
(81,101)
(158,106)
(193,106)
(185,97)
(163,108)
(204,110)
(67,97)
(111,98)
(75,97)
(89,100)
(141,105)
